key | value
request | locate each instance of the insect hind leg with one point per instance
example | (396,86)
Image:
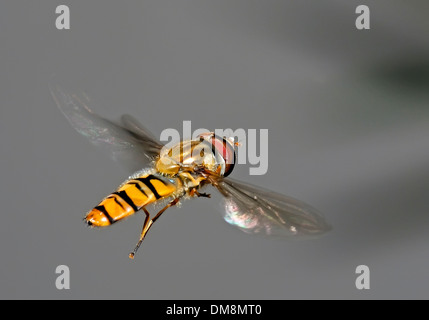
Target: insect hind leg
(143,233)
(148,224)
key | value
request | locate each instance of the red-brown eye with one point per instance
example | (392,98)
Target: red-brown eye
(226,150)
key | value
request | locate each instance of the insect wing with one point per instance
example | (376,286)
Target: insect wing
(151,144)
(129,144)
(258,211)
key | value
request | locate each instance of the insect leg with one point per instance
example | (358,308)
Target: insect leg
(172,203)
(148,223)
(205,195)
(199,194)
(143,233)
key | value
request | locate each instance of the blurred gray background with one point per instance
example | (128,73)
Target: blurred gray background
(348,119)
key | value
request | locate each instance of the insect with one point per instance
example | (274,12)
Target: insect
(172,174)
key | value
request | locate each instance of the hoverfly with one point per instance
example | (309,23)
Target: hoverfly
(173,174)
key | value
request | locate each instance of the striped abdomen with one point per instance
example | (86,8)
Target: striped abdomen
(130,198)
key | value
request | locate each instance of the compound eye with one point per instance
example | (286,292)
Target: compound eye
(226,149)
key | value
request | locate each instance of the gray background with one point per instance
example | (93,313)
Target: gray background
(348,119)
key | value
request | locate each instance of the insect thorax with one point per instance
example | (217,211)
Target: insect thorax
(187,155)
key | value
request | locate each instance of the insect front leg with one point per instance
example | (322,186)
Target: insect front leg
(194,191)
(193,184)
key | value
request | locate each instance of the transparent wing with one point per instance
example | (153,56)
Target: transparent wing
(129,143)
(152,146)
(258,211)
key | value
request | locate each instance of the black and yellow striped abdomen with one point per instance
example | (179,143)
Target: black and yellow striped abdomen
(131,196)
